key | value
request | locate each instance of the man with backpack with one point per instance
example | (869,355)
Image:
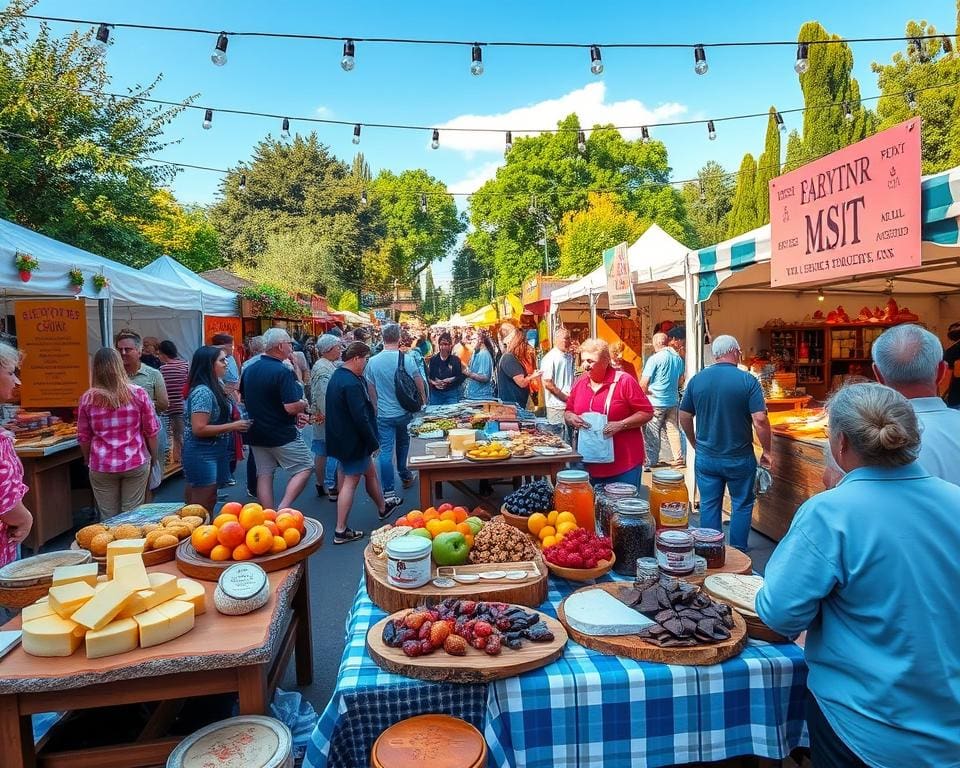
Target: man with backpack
(398,391)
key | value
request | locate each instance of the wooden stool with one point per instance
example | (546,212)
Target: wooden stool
(429,741)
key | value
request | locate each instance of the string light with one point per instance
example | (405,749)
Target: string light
(423,203)
(476,60)
(645,134)
(435,141)
(703,194)
(243,183)
(509,143)
(782,126)
(847,112)
(911,100)
(356,134)
(219,55)
(363,197)
(347,62)
(820,296)
(803,63)
(532,208)
(711,130)
(207,119)
(285,128)
(700,65)
(596,60)
(581,142)
(103,36)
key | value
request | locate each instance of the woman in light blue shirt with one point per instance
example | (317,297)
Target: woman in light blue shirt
(480,372)
(870,569)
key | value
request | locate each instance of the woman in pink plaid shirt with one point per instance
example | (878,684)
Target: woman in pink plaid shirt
(15,520)
(117,427)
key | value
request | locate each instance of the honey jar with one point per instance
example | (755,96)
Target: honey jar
(575,494)
(669,499)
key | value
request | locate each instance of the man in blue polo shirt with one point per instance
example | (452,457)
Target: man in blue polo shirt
(727,404)
(275,403)
(660,381)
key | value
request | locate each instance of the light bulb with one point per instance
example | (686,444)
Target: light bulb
(476,60)
(363,197)
(820,296)
(435,141)
(103,36)
(802,63)
(700,65)
(711,131)
(703,194)
(243,183)
(423,203)
(348,62)
(645,134)
(581,142)
(509,142)
(847,112)
(285,128)
(356,133)
(596,61)
(207,119)
(219,55)
(782,126)
(911,100)
(532,208)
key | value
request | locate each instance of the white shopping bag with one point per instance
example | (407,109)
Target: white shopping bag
(592,445)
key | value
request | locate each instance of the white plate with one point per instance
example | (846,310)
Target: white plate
(516,575)
(547,450)
(467,578)
(491,575)
(435,435)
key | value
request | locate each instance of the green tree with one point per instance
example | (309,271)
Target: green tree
(429,294)
(931,76)
(360,168)
(296,260)
(349,302)
(768,167)
(468,276)
(743,214)
(794,158)
(72,160)
(708,203)
(585,235)
(183,233)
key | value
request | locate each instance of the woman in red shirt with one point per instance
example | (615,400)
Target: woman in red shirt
(629,409)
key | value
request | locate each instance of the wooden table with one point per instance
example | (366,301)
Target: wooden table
(788,403)
(798,465)
(454,471)
(46,472)
(221,654)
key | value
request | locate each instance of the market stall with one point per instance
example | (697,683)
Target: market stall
(536,300)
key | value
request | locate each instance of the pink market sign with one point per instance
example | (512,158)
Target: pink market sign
(854,212)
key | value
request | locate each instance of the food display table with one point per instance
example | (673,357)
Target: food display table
(583,709)
(46,472)
(788,403)
(454,471)
(221,654)
(798,466)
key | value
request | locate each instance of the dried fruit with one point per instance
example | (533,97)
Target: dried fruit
(493,645)
(455,645)
(479,642)
(415,619)
(482,629)
(426,647)
(424,632)
(411,648)
(439,632)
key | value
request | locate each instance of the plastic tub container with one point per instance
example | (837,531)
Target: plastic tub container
(408,562)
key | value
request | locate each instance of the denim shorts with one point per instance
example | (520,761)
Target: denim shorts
(318,447)
(205,463)
(356,466)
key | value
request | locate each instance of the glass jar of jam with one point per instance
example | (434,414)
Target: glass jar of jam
(669,499)
(575,494)
(632,533)
(675,552)
(607,497)
(708,543)
(647,568)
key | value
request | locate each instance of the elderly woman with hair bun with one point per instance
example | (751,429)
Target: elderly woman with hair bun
(15,519)
(870,570)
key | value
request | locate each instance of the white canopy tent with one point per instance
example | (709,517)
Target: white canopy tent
(215,300)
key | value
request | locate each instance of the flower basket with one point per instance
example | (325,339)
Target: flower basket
(76,280)
(26,264)
(100,281)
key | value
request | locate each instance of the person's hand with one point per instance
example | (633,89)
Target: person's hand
(319,418)
(302,420)
(19,521)
(242,425)
(577,422)
(766,461)
(612,427)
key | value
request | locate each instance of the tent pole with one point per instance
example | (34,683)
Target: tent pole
(593,315)
(103,311)
(693,357)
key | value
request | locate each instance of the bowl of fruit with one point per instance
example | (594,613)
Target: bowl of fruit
(581,555)
(525,501)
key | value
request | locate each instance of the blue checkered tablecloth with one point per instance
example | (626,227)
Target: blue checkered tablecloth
(585,709)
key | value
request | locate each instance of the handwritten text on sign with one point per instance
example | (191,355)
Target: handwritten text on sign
(54,336)
(853,212)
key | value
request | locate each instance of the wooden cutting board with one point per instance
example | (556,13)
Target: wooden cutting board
(529,593)
(635,647)
(475,667)
(735,561)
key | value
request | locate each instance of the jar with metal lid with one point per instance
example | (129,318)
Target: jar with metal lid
(669,499)
(408,561)
(675,552)
(632,533)
(607,497)
(575,494)
(708,544)
(647,568)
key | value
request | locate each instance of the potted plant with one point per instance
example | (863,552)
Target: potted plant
(76,280)
(100,281)
(25,265)
(268,301)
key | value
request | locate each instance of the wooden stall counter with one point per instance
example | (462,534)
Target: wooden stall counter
(798,466)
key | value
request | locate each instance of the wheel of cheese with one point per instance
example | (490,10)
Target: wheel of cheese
(248,741)
(429,741)
(739,590)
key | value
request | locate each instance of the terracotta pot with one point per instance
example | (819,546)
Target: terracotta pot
(25,275)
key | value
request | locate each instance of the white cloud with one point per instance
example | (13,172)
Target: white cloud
(589,103)
(474,179)
(324,112)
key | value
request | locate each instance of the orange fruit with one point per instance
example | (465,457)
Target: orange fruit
(447,526)
(204,538)
(552,517)
(279,544)
(295,513)
(461,514)
(242,552)
(251,516)
(430,514)
(259,539)
(448,515)
(548,541)
(269,514)
(565,517)
(223,518)
(547,530)
(251,505)
(291,536)
(414,514)
(285,521)
(535,522)
(272,527)
(220,553)
(565,527)
(464,528)
(469,538)
(231,534)
(433,526)
(231,508)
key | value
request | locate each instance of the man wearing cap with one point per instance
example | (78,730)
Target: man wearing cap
(660,381)
(329,349)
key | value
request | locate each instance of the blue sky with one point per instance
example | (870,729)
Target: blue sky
(521,88)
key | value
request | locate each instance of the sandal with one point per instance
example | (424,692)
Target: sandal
(346,536)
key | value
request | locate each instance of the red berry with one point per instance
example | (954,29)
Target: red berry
(411,648)
(479,643)
(482,629)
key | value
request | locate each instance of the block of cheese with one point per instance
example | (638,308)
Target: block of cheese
(165,622)
(595,612)
(68,598)
(67,574)
(36,611)
(52,636)
(104,606)
(163,587)
(194,592)
(123,547)
(116,637)
(131,571)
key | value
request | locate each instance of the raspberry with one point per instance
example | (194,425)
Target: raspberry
(493,645)
(455,645)
(479,643)
(439,632)
(482,629)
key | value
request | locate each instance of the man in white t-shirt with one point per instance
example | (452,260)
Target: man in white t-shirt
(557,369)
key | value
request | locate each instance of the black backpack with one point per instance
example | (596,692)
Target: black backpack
(407,393)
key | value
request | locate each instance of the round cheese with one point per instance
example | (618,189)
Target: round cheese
(241,588)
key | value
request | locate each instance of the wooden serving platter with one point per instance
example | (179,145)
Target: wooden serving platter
(530,592)
(191,563)
(23,582)
(475,667)
(529,567)
(734,562)
(634,647)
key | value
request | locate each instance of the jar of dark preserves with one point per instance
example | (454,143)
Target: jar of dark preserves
(607,497)
(633,532)
(708,544)
(675,552)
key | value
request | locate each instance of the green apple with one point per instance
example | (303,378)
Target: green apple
(475,524)
(450,548)
(422,532)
